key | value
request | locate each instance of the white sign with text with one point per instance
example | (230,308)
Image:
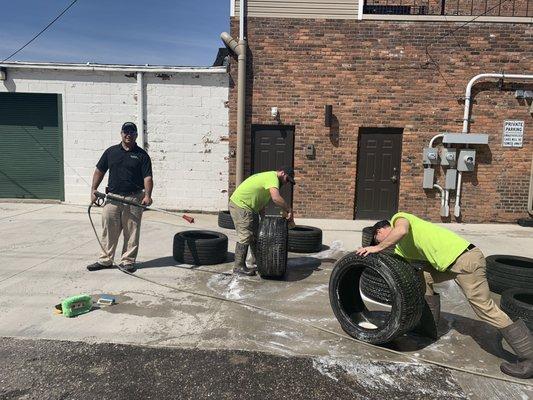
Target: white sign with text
(513,133)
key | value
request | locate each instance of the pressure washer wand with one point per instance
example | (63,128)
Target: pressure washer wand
(102,197)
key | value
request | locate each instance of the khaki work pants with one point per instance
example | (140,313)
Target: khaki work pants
(245,223)
(469,272)
(118,217)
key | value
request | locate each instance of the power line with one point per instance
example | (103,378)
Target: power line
(450,33)
(42,31)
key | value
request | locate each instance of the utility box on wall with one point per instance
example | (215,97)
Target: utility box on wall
(451,179)
(430,156)
(448,157)
(429,178)
(466,160)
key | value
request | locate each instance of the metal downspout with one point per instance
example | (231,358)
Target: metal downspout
(241,112)
(140,109)
(466,123)
(239,48)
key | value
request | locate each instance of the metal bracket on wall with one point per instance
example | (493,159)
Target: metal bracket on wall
(465,138)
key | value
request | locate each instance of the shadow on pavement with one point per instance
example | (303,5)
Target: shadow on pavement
(169,261)
(486,336)
(299,268)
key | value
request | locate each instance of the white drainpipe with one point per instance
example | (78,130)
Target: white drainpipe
(140,109)
(444,212)
(466,121)
(444,193)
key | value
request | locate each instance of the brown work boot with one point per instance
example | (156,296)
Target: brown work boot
(519,338)
(240,261)
(429,321)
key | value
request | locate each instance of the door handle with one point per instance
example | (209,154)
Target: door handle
(394,177)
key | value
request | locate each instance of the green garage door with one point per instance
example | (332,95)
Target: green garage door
(31,165)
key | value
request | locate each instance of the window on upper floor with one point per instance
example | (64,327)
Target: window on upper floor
(490,8)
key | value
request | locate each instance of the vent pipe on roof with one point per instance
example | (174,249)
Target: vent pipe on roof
(239,48)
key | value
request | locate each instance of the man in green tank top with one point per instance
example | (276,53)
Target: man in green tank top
(449,256)
(249,199)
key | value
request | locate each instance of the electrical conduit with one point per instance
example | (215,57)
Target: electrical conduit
(466,122)
(444,194)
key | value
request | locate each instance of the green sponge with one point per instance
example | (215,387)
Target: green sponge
(76,305)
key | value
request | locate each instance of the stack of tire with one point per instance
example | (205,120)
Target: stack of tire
(224,220)
(407,303)
(305,239)
(512,277)
(302,238)
(198,247)
(272,247)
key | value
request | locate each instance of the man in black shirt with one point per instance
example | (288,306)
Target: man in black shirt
(130,177)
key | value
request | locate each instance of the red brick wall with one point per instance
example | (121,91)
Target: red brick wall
(378,74)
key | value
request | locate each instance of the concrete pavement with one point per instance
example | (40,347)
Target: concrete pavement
(45,248)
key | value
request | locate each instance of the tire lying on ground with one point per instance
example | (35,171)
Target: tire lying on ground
(518,303)
(525,222)
(225,220)
(406,304)
(272,245)
(305,239)
(509,272)
(200,247)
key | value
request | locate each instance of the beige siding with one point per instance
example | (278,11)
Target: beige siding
(344,9)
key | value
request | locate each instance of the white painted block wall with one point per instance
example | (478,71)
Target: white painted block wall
(186,126)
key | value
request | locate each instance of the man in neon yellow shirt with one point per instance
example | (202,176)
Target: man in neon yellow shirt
(452,257)
(251,197)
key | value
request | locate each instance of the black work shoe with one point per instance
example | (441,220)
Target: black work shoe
(129,268)
(97,267)
(244,271)
(521,369)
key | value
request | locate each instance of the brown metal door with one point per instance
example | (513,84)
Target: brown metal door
(378,172)
(273,147)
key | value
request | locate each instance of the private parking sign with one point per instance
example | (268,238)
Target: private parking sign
(513,133)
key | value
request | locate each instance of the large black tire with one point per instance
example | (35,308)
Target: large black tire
(526,222)
(305,239)
(200,247)
(350,310)
(225,220)
(367,237)
(272,244)
(509,272)
(518,303)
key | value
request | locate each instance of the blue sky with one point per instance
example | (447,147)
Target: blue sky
(167,32)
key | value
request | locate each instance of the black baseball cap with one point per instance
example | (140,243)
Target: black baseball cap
(289,171)
(129,127)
